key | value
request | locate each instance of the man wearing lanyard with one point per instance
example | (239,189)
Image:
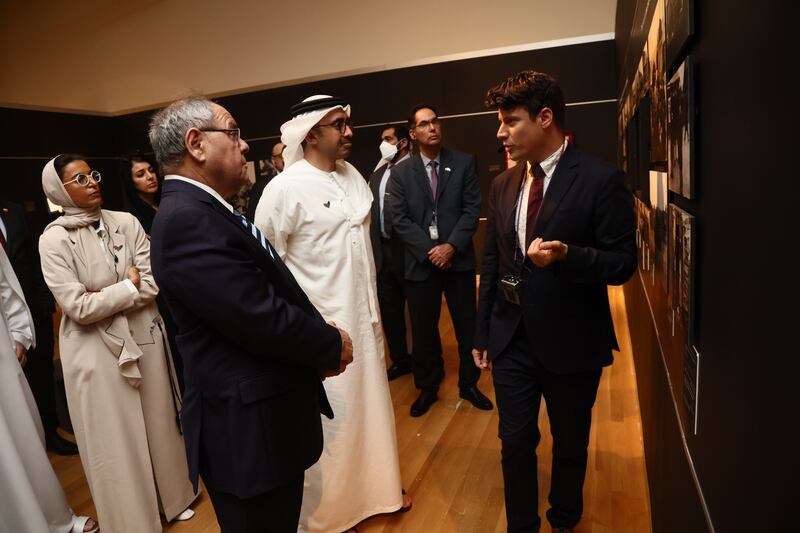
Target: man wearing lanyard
(560,228)
(436,200)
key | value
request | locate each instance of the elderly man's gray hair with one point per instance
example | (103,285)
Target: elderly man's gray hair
(169,126)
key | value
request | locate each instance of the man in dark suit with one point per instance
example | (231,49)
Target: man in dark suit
(560,229)
(23,254)
(254,347)
(436,200)
(273,169)
(387,249)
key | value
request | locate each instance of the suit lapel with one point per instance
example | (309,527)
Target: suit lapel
(511,196)
(375,186)
(422,176)
(117,247)
(445,170)
(565,174)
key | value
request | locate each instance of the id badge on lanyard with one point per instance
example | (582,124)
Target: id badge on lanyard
(433,229)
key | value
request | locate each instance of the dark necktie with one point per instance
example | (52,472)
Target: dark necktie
(2,240)
(386,217)
(535,196)
(434,180)
(255,232)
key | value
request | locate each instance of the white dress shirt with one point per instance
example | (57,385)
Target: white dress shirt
(383,184)
(549,167)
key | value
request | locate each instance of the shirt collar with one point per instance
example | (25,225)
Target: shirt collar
(549,164)
(426,161)
(203,186)
(399,160)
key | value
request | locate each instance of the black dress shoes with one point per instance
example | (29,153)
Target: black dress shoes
(424,402)
(395,371)
(476,398)
(59,445)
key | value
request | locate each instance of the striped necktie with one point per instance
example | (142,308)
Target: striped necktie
(255,232)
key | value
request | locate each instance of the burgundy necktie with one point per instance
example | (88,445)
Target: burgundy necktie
(535,196)
(434,180)
(2,240)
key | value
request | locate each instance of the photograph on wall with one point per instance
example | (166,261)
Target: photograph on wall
(680,130)
(681,268)
(679,25)
(691,387)
(265,167)
(641,80)
(645,238)
(658,200)
(643,147)
(658,89)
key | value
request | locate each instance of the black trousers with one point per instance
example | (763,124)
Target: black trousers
(276,511)
(520,381)
(424,306)
(392,301)
(39,372)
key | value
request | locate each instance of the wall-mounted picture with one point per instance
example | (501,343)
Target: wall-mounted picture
(682,238)
(679,25)
(643,225)
(643,138)
(265,167)
(658,91)
(658,200)
(680,130)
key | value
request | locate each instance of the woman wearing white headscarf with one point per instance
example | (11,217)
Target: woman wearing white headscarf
(118,373)
(31,499)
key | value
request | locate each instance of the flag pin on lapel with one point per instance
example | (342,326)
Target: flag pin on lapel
(447,169)
(327,204)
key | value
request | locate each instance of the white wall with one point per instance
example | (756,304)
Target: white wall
(115,56)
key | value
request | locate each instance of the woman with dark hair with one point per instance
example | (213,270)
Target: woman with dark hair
(118,375)
(142,188)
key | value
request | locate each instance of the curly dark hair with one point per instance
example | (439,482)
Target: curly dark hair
(529,89)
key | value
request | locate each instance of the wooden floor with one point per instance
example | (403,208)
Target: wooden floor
(450,458)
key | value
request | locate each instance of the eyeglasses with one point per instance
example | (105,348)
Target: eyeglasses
(83,179)
(234,133)
(425,124)
(341,125)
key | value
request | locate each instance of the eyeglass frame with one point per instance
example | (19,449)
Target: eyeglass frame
(426,124)
(94,175)
(342,129)
(237,132)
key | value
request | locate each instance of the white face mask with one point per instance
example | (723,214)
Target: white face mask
(388,150)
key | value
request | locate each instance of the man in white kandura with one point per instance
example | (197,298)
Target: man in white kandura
(316,214)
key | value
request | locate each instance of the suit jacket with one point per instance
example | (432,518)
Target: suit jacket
(252,345)
(564,307)
(375,224)
(24,257)
(459,204)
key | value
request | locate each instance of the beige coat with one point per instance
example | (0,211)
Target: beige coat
(130,446)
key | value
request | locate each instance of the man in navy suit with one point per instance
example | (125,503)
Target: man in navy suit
(436,199)
(560,229)
(387,249)
(255,349)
